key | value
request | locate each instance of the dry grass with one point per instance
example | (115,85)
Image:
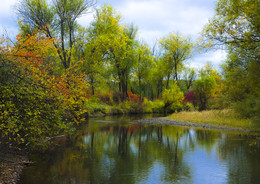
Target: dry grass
(224,117)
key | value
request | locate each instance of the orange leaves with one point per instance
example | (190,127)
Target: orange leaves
(133,97)
(31,55)
(34,46)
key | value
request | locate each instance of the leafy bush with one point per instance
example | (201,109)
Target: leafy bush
(172,98)
(249,108)
(36,104)
(158,106)
(204,90)
(188,107)
(147,106)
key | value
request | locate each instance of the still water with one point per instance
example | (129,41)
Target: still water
(119,150)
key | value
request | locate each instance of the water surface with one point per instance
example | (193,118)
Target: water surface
(121,150)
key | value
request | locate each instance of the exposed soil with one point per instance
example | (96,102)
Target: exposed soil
(166,121)
(11,164)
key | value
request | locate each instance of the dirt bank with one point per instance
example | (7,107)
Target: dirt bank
(12,163)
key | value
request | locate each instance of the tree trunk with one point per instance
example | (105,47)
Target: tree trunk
(140,92)
(175,71)
(167,84)
(147,89)
(64,59)
(92,86)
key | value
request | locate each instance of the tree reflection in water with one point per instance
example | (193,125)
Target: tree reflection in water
(110,151)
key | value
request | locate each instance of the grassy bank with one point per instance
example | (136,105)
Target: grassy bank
(222,118)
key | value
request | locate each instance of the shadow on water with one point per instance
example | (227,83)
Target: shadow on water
(120,150)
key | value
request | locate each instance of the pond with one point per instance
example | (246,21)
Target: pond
(122,150)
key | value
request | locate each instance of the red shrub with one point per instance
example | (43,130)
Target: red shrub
(189,97)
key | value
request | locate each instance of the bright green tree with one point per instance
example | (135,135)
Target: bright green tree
(176,49)
(157,75)
(143,65)
(112,43)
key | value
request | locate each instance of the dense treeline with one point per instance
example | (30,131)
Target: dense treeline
(58,72)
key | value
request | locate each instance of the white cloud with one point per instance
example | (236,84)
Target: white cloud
(86,19)
(215,57)
(166,16)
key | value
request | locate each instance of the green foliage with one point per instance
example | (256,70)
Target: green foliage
(204,90)
(148,106)
(249,107)
(173,98)
(176,50)
(157,75)
(156,106)
(235,22)
(236,25)
(188,107)
(105,36)
(29,116)
(143,65)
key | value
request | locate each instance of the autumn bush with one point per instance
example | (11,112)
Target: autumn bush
(132,96)
(35,104)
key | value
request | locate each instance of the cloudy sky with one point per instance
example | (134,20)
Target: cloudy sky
(154,19)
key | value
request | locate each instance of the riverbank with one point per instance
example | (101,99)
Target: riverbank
(12,163)
(214,119)
(167,121)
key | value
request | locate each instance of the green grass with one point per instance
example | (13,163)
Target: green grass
(223,118)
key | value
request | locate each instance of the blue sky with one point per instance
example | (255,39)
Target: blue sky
(154,19)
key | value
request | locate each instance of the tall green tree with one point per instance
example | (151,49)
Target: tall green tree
(143,65)
(157,75)
(115,43)
(176,49)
